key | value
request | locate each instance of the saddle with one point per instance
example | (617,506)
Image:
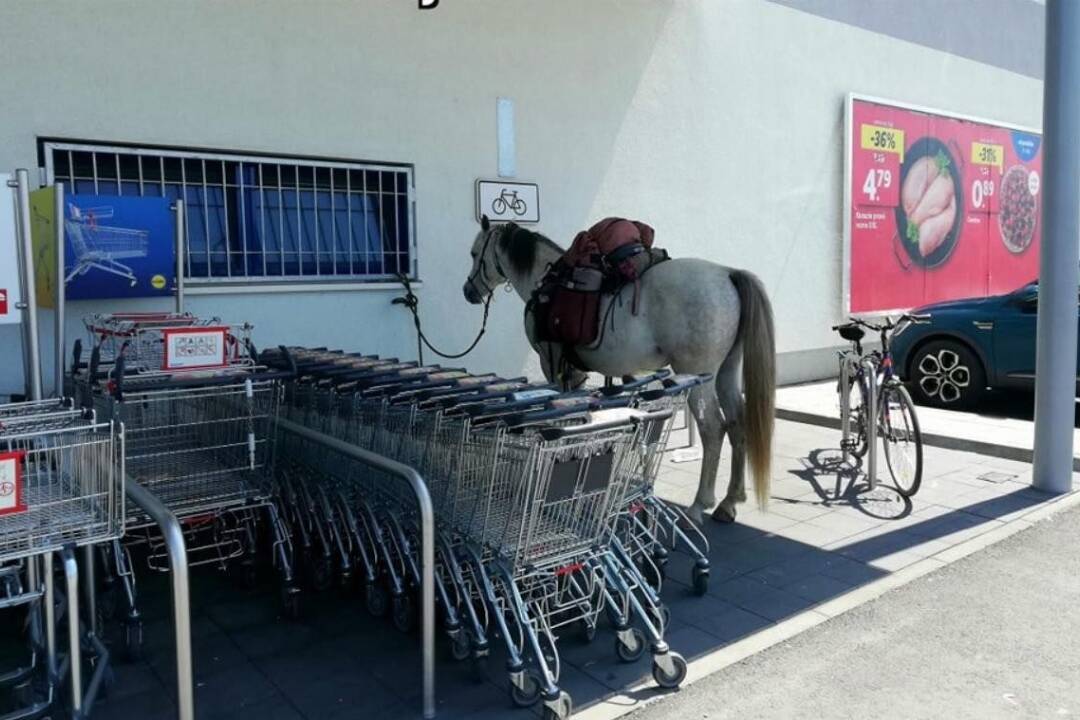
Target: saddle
(601,261)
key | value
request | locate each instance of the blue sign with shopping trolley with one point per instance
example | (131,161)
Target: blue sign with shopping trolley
(118,247)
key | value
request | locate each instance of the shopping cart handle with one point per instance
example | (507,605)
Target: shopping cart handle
(676,385)
(482,408)
(633,382)
(600,422)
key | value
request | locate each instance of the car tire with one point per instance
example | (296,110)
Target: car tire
(947,374)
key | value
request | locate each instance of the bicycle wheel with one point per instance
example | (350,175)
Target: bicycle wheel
(899,428)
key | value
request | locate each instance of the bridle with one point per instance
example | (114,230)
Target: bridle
(480,273)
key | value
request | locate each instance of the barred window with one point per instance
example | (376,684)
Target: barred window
(253,218)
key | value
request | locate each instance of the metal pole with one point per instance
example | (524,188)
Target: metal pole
(1055,354)
(427,541)
(71,574)
(178,211)
(50,613)
(870,370)
(845,408)
(58,221)
(19,304)
(26,271)
(173,536)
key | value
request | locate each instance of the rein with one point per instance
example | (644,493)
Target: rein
(412,303)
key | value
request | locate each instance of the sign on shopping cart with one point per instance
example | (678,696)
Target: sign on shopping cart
(201,348)
(11,483)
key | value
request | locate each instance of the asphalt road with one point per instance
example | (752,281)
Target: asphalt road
(1013,404)
(995,635)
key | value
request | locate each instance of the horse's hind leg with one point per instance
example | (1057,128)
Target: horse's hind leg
(706,411)
(730,397)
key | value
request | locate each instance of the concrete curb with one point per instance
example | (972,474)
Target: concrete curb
(645,693)
(1005,452)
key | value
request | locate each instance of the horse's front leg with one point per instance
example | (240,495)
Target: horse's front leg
(706,411)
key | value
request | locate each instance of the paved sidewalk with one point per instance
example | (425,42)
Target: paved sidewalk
(991,636)
(987,431)
(824,537)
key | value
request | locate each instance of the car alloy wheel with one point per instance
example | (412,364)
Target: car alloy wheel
(943,376)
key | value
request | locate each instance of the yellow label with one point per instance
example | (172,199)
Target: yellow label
(158,281)
(988,154)
(882,139)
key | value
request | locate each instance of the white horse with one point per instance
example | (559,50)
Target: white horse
(692,315)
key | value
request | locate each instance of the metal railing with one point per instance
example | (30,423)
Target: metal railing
(427,535)
(173,536)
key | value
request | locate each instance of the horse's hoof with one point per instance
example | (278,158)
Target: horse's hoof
(723,515)
(695,514)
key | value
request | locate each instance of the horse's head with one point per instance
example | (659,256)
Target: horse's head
(486,274)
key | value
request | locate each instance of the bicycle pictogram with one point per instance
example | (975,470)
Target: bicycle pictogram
(509,200)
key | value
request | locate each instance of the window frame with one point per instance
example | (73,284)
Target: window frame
(48,146)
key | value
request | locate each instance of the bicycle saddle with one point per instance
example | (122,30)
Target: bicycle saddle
(851,332)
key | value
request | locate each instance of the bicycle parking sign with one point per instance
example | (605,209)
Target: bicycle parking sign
(508,201)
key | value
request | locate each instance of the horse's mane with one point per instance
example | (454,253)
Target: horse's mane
(518,246)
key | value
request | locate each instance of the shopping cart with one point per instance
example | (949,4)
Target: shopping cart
(528,493)
(61,488)
(163,342)
(102,247)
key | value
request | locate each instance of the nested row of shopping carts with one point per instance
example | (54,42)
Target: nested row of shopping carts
(547,519)
(546,515)
(61,489)
(200,418)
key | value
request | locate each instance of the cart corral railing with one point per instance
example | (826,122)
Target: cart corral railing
(291,432)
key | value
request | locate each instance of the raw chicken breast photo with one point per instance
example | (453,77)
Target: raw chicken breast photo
(928,197)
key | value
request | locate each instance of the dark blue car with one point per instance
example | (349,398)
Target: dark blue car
(969,346)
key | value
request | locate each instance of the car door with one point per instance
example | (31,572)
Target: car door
(1014,338)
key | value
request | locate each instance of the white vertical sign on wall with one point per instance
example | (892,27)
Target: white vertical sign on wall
(9,259)
(504,114)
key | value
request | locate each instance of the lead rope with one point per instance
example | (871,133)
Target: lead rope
(412,304)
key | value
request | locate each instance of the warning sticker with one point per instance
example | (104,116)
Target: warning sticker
(11,483)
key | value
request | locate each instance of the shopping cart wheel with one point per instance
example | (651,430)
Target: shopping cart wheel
(560,709)
(529,694)
(700,580)
(133,639)
(403,613)
(376,599)
(460,646)
(630,645)
(588,631)
(669,670)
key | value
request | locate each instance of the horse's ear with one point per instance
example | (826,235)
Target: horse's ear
(485,224)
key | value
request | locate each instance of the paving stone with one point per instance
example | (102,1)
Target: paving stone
(818,588)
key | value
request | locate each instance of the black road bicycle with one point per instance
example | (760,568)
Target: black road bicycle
(897,423)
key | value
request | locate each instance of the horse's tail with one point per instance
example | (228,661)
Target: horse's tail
(757,334)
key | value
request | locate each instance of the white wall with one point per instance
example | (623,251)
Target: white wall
(719,123)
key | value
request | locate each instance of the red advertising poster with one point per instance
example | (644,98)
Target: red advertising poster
(940,207)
